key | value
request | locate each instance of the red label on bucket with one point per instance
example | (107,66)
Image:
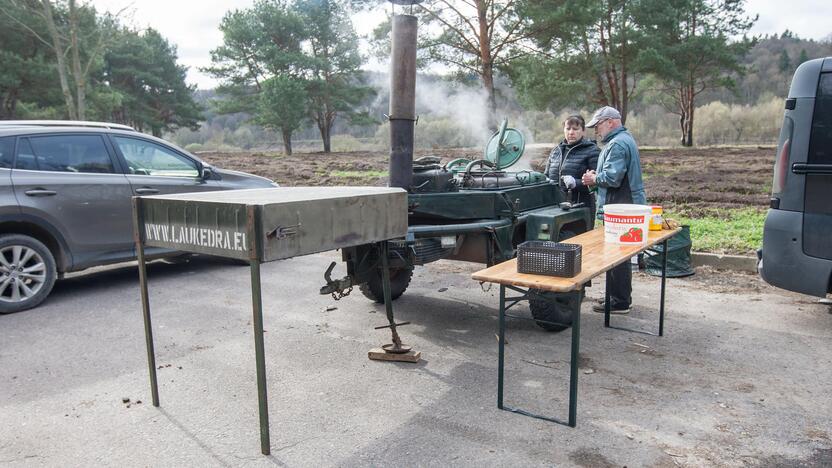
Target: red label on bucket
(611,218)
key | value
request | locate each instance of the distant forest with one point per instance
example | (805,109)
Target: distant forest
(750,114)
(292,73)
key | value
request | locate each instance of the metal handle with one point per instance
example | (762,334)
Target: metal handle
(813,169)
(146,190)
(39,192)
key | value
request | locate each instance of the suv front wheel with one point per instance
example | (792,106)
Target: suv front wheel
(27,272)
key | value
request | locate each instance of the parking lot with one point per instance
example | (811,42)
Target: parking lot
(741,378)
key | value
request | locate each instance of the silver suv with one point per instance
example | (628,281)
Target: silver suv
(65,198)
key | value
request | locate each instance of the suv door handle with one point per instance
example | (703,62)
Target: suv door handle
(146,190)
(39,192)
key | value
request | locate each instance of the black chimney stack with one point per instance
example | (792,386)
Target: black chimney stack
(402,99)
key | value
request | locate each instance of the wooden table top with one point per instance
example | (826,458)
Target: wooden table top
(596,257)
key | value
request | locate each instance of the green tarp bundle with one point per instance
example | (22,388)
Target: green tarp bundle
(678,256)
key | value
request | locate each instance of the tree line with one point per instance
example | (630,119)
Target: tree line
(748,113)
(589,54)
(288,62)
(280,54)
(293,65)
(62,59)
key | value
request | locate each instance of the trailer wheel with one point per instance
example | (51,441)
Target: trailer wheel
(557,307)
(399,280)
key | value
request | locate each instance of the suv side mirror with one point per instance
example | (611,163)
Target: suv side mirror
(207,173)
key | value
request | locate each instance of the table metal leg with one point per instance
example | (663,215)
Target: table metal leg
(573,361)
(501,345)
(138,239)
(664,277)
(260,356)
(148,327)
(607,300)
(661,300)
(573,367)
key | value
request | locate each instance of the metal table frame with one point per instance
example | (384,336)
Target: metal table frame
(576,337)
(253,226)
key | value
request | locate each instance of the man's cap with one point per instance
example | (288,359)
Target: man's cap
(604,113)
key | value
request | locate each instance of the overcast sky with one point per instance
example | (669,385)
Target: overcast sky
(192,24)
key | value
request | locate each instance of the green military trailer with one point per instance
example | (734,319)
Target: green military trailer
(476,211)
(471,210)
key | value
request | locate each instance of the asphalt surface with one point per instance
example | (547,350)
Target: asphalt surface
(742,377)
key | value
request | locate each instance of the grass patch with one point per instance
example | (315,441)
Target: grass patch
(729,231)
(358,174)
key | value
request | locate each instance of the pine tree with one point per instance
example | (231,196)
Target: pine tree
(784,64)
(691,51)
(803,56)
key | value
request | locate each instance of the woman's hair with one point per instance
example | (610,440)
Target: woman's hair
(575,120)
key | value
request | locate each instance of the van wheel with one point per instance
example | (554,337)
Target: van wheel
(27,272)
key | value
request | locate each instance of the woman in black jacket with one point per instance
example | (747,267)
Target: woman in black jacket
(571,158)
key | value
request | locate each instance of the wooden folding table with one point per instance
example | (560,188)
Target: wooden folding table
(597,257)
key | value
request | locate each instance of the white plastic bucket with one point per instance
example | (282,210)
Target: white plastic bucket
(626,224)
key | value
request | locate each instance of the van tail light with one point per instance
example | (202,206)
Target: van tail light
(781,168)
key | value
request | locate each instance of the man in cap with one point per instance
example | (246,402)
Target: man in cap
(618,179)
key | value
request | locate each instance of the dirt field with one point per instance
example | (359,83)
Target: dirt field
(698,179)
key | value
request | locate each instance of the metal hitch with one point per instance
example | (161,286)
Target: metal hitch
(337,288)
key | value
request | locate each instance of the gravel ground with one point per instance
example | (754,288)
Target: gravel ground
(741,378)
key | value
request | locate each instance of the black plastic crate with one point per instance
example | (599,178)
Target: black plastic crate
(549,258)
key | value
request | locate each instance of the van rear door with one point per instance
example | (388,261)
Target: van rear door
(797,237)
(817,215)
